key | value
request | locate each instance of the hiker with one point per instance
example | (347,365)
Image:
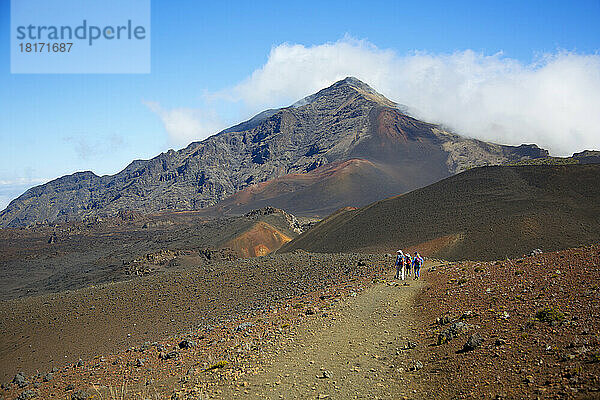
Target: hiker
(399,265)
(408,261)
(417,263)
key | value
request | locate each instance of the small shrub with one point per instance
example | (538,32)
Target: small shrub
(549,314)
(218,364)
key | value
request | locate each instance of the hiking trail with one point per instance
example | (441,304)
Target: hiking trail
(359,350)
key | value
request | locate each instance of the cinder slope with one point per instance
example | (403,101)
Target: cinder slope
(355,182)
(484,213)
(261,239)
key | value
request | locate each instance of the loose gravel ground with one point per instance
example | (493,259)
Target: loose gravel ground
(511,329)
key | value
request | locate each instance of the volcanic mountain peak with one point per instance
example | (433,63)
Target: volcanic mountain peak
(345,121)
(349,86)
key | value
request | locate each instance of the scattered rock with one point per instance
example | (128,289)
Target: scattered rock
(585,331)
(69,387)
(187,344)
(410,344)
(503,315)
(48,377)
(244,325)
(324,375)
(535,252)
(415,366)
(454,330)
(140,362)
(474,341)
(167,356)
(468,315)
(310,311)
(145,346)
(20,380)
(28,394)
(79,363)
(80,395)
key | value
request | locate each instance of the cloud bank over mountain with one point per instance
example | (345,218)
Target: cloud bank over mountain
(552,101)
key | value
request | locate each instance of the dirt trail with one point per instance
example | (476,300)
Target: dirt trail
(358,350)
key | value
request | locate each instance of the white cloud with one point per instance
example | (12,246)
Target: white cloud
(184,125)
(294,71)
(553,101)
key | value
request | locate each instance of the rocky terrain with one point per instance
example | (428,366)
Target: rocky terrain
(53,258)
(584,157)
(536,319)
(511,329)
(347,122)
(39,333)
(481,214)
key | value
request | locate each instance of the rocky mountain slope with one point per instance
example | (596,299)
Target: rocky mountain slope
(344,122)
(481,214)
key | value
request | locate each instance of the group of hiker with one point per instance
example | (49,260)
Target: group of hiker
(405,263)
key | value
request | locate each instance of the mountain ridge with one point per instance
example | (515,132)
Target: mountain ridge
(347,120)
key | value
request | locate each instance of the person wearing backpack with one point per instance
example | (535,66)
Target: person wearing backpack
(417,263)
(408,261)
(399,265)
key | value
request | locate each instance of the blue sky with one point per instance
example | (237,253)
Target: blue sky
(214,64)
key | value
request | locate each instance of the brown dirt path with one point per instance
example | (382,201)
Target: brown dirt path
(360,344)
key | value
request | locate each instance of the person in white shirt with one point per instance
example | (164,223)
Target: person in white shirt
(399,265)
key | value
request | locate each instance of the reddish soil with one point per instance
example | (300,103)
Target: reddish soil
(525,353)
(521,356)
(260,240)
(321,191)
(205,304)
